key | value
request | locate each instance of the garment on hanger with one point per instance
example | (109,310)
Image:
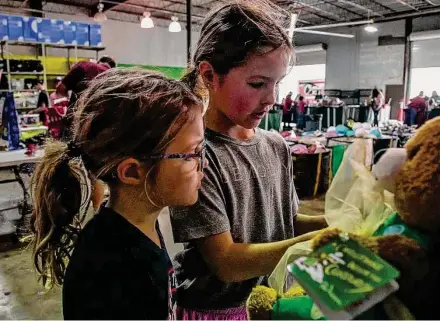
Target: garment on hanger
(10,122)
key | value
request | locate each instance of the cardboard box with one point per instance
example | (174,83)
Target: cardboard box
(30,28)
(4,27)
(15,28)
(69,33)
(56,31)
(95,35)
(44,30)
(82,34)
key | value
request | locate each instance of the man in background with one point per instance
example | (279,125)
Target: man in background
(42,103)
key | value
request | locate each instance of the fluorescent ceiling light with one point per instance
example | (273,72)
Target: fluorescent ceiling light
(174,25)
(316,32)
(147,22)
(100,15)
(370,28)
(309,48)
(334,25)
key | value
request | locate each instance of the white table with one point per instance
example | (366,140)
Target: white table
(32,128)
(12,160)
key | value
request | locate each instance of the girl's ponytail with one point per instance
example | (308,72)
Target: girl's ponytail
(191,78)
(60,189)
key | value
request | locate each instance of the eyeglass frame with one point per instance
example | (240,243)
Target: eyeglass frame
(186,156)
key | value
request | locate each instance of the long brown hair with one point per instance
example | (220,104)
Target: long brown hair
(123,113)
(234,31)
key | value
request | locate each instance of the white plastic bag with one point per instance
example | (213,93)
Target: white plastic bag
(355,203)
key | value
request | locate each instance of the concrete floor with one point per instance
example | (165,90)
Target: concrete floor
(21,297)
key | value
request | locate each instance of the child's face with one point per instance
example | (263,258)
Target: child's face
(178,180)
(248,92)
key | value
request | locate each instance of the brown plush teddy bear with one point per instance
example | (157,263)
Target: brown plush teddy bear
(409,240)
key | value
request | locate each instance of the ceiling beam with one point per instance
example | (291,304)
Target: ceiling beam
(151,8)
(407,4)
(361,7)
(336,5)
(157,16)
(108,5)
(432,3)
(173,2)
(325,13)
(383,6)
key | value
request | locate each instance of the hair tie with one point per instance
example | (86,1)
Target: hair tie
(73,150)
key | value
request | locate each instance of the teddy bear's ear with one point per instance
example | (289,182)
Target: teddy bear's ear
(417,191)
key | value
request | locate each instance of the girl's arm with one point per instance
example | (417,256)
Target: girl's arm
(306,223)
(235,262)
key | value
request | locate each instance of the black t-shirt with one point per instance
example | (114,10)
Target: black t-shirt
(116,272)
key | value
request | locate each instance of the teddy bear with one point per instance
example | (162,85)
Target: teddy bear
(409,239)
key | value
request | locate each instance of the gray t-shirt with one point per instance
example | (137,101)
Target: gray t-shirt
(248,190)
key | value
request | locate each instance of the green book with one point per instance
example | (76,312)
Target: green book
(344,279)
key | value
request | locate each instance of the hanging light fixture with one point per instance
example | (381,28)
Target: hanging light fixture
(370,28)
(147,22)
(174,25)
(100,15)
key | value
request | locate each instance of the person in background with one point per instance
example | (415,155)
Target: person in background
(417,108)
(42,103)
(301,111)
(57,112)
(57,93)
(76,81)
(246,216)
(153,156)
(377,101)
(432,103)
(287,110)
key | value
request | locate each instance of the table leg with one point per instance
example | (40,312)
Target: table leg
(26,206)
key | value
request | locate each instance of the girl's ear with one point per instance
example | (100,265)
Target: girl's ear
(130,171)
(208,74)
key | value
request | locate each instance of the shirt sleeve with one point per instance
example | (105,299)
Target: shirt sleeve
(209,215)
(74,76)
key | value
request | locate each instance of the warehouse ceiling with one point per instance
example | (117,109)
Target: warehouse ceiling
(311,12)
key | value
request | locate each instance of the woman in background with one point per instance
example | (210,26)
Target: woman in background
(301,111)
(287,110)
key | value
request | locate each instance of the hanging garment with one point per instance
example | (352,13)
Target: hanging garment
(10,122)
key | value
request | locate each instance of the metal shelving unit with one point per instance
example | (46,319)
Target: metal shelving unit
(4,44)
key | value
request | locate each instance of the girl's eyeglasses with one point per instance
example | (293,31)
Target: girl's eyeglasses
(200,154)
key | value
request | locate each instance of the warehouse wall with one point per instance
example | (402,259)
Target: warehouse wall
(360,62)
(128,43)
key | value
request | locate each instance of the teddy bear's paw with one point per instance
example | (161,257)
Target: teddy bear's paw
(325,237)
(369,242)
(402,252)
(260,303)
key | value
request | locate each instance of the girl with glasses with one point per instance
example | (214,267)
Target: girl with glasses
(143,135)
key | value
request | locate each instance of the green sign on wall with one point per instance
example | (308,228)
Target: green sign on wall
(172,72)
